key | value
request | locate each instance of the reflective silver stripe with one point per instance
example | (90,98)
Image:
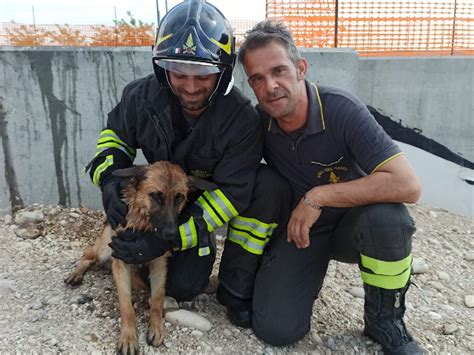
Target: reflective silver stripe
(210,221)
(204,251)
(216,198)
(246,243)
(260,229)
(187,237)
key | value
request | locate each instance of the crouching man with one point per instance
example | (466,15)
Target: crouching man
(349,182)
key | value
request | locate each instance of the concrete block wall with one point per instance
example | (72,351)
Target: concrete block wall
(434,95)
(54,102)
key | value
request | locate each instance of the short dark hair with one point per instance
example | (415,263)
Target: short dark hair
(268,31)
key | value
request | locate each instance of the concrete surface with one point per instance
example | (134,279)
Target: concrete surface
(54,102)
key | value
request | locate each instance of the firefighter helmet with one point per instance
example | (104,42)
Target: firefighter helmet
(195,38)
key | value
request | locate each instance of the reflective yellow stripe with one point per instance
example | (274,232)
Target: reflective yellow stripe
(246,241)
(217,208)
(390,268)
(386,282)
(386,161)
(320,105)
(109,160)
(188,234)
(161,39)
(226,201)
(104,146)
(204,251)
(254,226)
(109,139)
(221,210)
(208,214)
(225,47)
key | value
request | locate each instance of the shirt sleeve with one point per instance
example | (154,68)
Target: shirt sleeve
(365,140)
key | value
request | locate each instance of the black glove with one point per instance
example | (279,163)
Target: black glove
(114,207)
(138,247)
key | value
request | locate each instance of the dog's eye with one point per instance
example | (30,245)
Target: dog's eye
(179,199)
(158,197)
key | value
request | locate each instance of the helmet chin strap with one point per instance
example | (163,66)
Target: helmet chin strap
(168,81)
(227,90)
(230,86)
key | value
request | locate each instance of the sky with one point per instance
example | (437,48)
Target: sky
(103,11)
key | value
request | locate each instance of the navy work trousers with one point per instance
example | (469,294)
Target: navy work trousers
(289,279)
(188,273)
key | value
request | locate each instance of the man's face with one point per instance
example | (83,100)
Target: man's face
(193,91)
(277,83)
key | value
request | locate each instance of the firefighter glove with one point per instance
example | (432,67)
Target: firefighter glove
(114,207)
(134,247)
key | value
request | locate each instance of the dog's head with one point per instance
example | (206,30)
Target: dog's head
(156,194)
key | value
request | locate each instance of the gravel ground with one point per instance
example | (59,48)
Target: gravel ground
(40,314)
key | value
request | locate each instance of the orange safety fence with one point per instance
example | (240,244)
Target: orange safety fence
(371,27)
(122,34)
(374,27)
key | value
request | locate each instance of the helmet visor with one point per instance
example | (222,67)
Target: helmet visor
(186,67)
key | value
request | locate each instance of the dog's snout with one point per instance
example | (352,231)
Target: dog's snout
(169,232)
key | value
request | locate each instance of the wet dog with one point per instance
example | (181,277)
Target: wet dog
(155,195)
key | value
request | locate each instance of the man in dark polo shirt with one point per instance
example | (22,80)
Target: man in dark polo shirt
(349,182)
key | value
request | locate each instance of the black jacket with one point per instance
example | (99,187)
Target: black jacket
(225,144)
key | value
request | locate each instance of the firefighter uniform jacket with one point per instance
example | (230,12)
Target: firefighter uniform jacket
(224,145)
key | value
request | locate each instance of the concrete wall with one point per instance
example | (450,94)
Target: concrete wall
(434,95)
(54,102)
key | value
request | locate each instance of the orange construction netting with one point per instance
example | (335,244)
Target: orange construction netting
(16,34)
(374,27)
(371,27)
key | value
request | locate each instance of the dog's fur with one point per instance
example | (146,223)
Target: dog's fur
(155,196)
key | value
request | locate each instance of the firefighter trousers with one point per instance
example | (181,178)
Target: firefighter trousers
(378,237)
(247,237)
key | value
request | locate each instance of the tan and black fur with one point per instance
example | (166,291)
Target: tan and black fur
(155,196)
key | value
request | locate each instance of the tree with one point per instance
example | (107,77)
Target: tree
(131,33)
(26,35)
(65,36)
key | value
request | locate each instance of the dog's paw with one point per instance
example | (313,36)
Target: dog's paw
(74,279)
(155,334)
(127,343)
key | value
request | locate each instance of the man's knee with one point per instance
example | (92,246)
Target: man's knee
(386,231)
(188,274)
(281,332)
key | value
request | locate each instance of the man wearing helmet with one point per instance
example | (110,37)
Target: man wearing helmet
(189,113)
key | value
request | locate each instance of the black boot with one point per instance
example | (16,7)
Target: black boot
(239,311)
(383,316)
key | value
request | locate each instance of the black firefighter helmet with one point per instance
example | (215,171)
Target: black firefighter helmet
(195,38)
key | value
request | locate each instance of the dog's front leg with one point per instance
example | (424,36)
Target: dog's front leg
(157,267)
(128,339)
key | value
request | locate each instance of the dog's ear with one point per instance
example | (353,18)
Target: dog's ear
(195,183)
(137,172)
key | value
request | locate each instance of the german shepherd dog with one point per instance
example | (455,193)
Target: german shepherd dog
(155,195)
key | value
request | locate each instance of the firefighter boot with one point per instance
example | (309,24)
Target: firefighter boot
(383,316)
(239,311)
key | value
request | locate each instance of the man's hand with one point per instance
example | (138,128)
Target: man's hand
(302,219)
(114,207)
(138,247)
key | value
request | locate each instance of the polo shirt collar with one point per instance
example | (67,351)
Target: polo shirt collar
(315,123)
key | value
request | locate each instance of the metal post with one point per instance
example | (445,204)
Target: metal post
(454,27)
(34,25)
(336,23)
(158,19)
(116,26)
